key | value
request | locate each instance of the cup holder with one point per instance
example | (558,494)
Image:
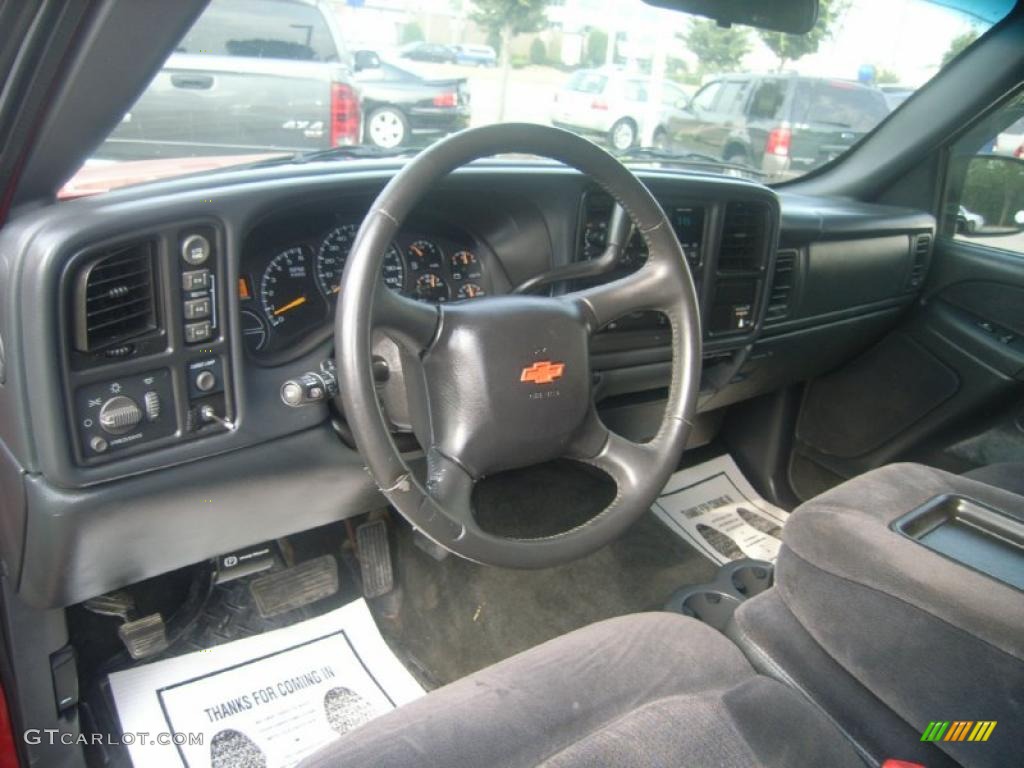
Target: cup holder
(715,602)
(750,580)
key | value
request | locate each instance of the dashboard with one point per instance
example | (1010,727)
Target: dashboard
(290,276)
(152,338)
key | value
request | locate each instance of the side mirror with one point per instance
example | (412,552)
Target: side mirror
(366,60)
(992,201)
(684,105)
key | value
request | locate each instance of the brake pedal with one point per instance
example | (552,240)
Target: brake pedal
(295,587)
(375,558)
(144,637)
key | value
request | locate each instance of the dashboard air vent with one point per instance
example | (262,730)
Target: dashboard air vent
(743,237)
(783,281)
(115,298)
(919,266)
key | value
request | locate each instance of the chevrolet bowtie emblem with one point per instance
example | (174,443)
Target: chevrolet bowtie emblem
(542,372)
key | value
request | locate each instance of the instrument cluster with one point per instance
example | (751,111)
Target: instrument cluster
(288,290)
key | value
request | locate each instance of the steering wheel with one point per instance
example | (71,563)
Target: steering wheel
(505,382)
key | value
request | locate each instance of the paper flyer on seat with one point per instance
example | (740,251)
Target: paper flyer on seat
(266,701)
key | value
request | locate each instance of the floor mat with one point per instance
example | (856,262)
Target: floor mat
(268,700)
(713,507)
(457,617)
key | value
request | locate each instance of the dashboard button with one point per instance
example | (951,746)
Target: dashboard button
(195,280)
(197,332)
(205,381)
(195,250)
(197,309)
(98,444)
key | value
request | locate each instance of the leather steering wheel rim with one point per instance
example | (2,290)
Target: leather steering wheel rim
(484,412)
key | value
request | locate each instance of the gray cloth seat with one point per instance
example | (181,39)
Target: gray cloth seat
(650,689)
(924,635)
(1007,475)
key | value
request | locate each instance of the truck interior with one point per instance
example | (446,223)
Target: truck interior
(512,343)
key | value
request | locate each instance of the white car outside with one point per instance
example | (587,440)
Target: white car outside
(614,105)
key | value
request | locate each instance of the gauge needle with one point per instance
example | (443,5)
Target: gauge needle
(417,251)
(290,305)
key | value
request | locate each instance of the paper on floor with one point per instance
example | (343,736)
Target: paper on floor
(712,507)
(265,701)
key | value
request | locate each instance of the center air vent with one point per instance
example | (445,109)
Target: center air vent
(114,297)
(783,281)
(744,234)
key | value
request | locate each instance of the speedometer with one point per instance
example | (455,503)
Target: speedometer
(287,290)
(334,250)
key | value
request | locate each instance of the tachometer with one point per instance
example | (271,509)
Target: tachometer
(287,290)
(334,250)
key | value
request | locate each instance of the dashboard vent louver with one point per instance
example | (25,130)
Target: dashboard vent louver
(783,281)
(115,298)
(919,266)
(743,237)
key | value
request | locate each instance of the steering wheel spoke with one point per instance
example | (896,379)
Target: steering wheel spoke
(649,288)
(624,460)
(411,323)
(450,486)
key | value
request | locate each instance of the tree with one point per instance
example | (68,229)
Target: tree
(958,45)
(410,33)
(596,48)
(508,18)
(792,47)
(884,76)
(718,49)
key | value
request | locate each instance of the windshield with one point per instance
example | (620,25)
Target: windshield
(256,80)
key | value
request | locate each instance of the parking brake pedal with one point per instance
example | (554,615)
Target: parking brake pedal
(144,637)
(375,558)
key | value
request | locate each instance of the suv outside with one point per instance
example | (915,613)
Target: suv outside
(784,125)
(613,104)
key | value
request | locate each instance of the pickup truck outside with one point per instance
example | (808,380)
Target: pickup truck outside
(251,76)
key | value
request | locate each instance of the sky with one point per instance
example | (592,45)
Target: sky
(907,37)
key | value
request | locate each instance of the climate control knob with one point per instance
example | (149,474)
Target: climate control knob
(120,414)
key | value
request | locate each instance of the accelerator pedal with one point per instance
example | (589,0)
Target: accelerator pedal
(375,558)
(295,587)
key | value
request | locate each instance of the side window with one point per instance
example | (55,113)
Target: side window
(706,96)
(984,200)
(767,101)
(734,94)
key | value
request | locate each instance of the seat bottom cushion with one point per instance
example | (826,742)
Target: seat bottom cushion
(1008,475)
(648,689)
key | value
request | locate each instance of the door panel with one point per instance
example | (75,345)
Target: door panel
(945,388)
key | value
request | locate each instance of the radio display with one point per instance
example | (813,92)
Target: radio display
(688,224)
